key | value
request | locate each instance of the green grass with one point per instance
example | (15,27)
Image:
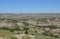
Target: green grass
(38,36)
(8,32)
(4,32)
(45,37)
(26,37)
(13,37)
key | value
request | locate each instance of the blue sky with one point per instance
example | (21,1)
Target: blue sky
(29,6)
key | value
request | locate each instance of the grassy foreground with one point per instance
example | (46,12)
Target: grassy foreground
(38,36)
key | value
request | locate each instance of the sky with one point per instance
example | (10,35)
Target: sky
(29,6)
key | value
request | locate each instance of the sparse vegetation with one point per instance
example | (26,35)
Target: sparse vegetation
(17,26)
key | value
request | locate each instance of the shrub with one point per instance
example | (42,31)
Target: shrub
(26,32)
(11,30)
(25,28)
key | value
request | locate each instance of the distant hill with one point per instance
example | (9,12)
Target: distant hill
(40,15)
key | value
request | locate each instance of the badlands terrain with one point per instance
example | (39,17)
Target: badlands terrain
(42,26)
